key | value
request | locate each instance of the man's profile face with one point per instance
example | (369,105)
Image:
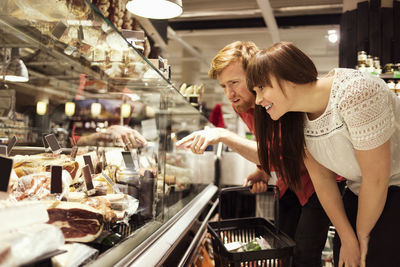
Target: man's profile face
(233,80)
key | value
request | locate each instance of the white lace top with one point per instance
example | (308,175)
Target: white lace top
(362,113)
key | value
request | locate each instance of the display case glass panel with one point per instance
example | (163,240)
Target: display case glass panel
(73,54)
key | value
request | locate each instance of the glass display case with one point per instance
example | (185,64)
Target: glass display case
(69,53)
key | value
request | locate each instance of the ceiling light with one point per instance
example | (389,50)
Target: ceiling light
(41,107)
(333,36)
(95,109)
(15,70)
(69,108)
(155,9)
(125,110)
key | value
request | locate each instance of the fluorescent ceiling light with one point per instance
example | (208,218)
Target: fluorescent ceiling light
(155,9)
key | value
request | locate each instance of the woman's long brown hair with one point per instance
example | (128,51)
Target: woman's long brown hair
(281,142)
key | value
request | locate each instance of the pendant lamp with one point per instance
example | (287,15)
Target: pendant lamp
(155,9)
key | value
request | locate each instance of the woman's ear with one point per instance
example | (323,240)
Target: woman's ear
(292,84)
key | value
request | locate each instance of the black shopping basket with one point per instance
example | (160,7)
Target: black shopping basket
(246,230)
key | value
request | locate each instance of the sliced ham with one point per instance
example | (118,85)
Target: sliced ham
(78,222)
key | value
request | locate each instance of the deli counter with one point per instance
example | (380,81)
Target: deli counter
(141,206)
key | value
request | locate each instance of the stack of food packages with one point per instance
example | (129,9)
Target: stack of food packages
(32,215)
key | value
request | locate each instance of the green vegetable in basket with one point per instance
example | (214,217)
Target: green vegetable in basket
(252,246)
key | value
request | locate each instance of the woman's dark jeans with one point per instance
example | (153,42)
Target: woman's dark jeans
(383,248)
(308,225)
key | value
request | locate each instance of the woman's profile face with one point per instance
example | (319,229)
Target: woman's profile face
(272,98)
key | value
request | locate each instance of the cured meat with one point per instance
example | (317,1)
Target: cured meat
(24,165)
(102,205)
(78,222)
(36,186)
(69,166)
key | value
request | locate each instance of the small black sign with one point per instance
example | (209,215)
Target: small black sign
(56,179)
(45,144)
(74,151)
(5,167)
(88,179)
(128,160)
(53,143)
(11,144)
(88,161)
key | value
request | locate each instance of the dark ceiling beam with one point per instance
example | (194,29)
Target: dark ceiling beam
(283,22)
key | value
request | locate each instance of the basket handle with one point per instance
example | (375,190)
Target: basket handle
(224,190)
(235,188)
(246,188)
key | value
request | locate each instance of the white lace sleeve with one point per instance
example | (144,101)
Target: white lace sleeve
(366,110)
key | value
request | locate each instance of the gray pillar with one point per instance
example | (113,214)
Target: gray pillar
(190,69)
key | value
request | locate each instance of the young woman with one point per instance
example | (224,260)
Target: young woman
(348,123)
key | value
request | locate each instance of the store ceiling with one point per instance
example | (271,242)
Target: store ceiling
(209,25)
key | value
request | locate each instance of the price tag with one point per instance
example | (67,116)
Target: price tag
(3,150)
(81,36)
(53,143)
(161,65)
(396,74)
(11,144)
(88,180)
(88,161)
(108,179)
(128,160)
(74,151)
(59,29)
(45,144)
(104,161)
(56,179)
(5,167)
